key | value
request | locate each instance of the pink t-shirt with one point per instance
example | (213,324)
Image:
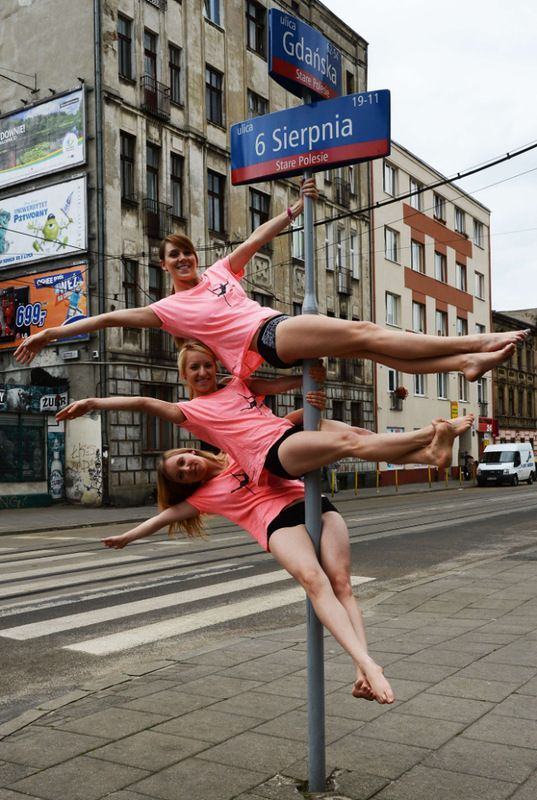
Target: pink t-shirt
(249,506)
(237,422)
(219,313)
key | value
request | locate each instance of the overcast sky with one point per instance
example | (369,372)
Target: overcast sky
(463,78)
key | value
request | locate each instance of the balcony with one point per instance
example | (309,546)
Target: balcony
(160,345)
(344,284)
(157,218)
(162,5)
(342,192)
(396,403)
(155,97)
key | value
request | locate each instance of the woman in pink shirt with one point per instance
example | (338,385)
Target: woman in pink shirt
(193,482)
(214,308)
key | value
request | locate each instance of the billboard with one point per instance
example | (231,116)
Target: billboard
(47,300)
(45,223)
(44,138)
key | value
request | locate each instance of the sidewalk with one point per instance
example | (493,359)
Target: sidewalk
(460,649)
(65,516)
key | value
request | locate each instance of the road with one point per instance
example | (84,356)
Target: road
(71,611)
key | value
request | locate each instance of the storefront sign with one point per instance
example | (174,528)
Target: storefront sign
(27,398)
(47,300)
(454,410)
(487,425)
(51,403)
(46,223)
(301,58)
(43,138)
(316,137)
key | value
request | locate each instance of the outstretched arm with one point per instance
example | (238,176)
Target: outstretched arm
(176,513)
(124,318)
(148,405)
(266,232)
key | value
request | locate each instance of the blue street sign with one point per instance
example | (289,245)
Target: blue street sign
(301,58)
(317,136)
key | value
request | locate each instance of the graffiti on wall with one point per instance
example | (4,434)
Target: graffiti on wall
(84,474)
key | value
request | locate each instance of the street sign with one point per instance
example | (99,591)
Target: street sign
(316,136)
(301,58)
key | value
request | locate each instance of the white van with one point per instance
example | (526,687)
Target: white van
(506,463)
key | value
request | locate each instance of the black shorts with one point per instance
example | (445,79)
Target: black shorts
(272,460)
(266,343)
(296,515)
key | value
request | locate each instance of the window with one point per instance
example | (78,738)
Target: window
(263,299)
(418,317)
(152,172)
(462,326)
(392,308)
(478,233)
(460,220)
(157,434)
(417,257)
(155,286)
(460,275)
(338,410)
(339,248)
(349,82)
(259,208)
(390,176)
(256,15)
(127,148)
(215,191)
(440,267)
(391,244)
(353,173)
(416,201)
(393,379)
(174,64)
(439,207)
(482,390)
(150,54)
(297,309)
(442,385)
(480,328)
(530,403)
(214,103)
(354,255)
(520,403)
(257,105)
(480,285)
(328,245)
(463,388)
(441,322)
(130,283)
(212,10)
(419,385)
(298,237)
(176,183)
(124,41)
(23,441)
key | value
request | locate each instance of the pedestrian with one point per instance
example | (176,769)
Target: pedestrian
(215,309)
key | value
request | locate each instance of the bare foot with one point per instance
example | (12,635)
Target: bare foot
(441,447)
(476,364)
(460,424)
(490,342)
(362,689)
(380,688)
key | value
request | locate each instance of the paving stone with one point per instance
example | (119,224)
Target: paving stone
(497,672)
(387,759)
(169,703)
(136,689)
(412,730)
(220,686)
(452,709)
(357,785)
(521,653)
(526,792)
(146,667)
(266,752)
(423,783)
(404,689)
(475,688)
(81,778)
(466,645)
(263,668)
(340,704)
(295,686)
(43,747)
(258,705)
(114,723)
(208,725)
(384,658)
(9,773)
(125,795)
(504,730)
(497,761)
(530,687)
(150,750)
(447,658)
(430,673)
(64,700)
(518,705)
(6,794)
(280,787)
(294,725)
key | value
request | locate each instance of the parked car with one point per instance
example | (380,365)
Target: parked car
(506,463)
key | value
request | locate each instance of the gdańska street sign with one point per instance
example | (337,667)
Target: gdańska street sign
(318,136)
(301,58)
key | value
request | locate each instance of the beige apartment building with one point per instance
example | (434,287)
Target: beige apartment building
(431,274)
(161,83)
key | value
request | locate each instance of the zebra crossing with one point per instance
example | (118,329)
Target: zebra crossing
(97,602)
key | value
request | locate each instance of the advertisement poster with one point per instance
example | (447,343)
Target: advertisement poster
(46,223)
(47,300)
(42,139)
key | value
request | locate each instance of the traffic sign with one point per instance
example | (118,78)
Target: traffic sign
(301,58)
(318,136)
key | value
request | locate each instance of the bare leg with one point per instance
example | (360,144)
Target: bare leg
(473,365)
(311,336)
(293,549)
